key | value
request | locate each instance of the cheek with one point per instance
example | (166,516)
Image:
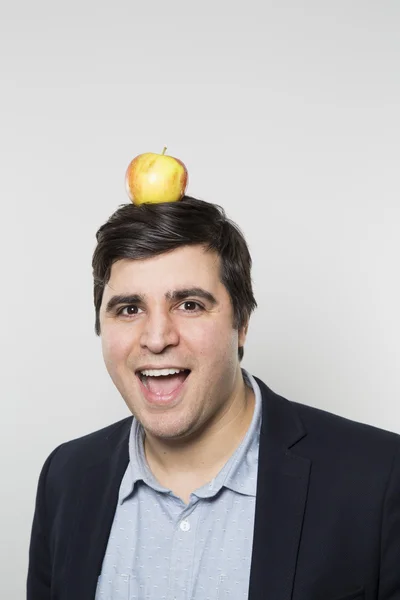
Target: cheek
(214,339)
(116,345)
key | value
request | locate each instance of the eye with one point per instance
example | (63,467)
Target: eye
(128,311)
(191,306)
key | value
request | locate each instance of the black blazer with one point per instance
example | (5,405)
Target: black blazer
(327,522)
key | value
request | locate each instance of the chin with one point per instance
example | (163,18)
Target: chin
(165,428)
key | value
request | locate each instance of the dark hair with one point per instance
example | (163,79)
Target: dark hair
(137,232)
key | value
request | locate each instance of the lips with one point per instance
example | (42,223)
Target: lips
(163,390)
(139,372)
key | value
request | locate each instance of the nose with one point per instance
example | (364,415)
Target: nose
(158,333)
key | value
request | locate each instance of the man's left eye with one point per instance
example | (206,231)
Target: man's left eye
(191,306)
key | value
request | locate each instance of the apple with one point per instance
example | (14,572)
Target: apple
(156,178)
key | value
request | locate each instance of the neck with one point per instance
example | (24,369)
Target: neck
(195,460)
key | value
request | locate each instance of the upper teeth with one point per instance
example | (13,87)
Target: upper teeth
(158,372)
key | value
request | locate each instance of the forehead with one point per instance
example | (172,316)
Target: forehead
(183,267)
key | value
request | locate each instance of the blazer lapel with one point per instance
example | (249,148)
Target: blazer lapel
(281,500)
(98,495)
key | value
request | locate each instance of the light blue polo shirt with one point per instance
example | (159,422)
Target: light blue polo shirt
(163,549)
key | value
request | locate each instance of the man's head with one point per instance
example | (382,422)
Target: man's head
(172,287)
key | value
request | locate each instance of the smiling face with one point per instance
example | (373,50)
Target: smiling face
(172,310)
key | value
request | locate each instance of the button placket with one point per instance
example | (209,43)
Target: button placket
(185,525)
(182,553)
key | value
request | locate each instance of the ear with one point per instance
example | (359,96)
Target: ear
(243,334)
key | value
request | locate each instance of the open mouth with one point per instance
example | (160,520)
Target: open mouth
(163,382)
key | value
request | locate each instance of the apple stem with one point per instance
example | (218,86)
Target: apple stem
(163,152)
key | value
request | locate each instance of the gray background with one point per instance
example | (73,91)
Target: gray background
(286,113)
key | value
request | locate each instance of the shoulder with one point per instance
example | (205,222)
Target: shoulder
(326,436)
(358,455)
(334,429)
(350,458)
(89,449)
(74,465)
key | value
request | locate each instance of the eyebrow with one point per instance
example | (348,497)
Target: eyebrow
(172,296)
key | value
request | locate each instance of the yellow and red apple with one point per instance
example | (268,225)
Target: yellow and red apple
(156,178)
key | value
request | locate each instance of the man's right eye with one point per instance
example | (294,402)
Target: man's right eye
(128,311)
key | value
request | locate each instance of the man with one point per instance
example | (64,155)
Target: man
(216,488)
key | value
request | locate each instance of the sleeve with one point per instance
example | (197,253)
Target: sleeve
(389,579)
(39,566)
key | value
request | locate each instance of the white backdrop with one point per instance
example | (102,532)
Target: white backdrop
(286,113)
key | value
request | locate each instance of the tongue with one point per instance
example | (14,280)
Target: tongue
(165,384)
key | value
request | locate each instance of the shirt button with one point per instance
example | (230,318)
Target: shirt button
(185,525)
